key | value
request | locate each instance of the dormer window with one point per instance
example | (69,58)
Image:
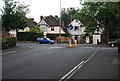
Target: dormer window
(52,28)
(77,20)
(76,28)
(81,25)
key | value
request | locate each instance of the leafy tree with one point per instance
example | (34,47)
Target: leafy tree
(67,15)
(13,16)
(35,30)
(100,15)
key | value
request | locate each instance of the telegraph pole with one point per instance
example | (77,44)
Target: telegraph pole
(119,26)
(60,25)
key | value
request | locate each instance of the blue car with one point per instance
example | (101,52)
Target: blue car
(44,40)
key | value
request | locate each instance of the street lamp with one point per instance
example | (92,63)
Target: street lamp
(60,25)
(119,27)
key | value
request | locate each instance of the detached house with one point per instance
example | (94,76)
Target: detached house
(30,24)
(50,25)
(78,29)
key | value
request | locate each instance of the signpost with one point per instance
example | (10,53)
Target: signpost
(70,27)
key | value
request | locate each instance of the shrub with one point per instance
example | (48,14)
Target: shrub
(53,36)
(8,42)
(28,36)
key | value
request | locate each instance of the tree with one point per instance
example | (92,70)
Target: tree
(100,15)
(35,30)
(13,16)
(67,15)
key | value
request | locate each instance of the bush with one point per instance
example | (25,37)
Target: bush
(28,36)
(8,42)
(53,36)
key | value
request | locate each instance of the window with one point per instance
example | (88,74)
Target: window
(76,28)
(52,28)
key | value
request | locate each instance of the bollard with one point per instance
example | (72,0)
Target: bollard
(75,43)
(70,44)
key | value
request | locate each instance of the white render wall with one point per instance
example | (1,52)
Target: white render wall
(80,30)
(95,38)
(12,33)
(56,30)
(44,27)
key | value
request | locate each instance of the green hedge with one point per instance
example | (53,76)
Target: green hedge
(8,42)
(53,36)
(28,36)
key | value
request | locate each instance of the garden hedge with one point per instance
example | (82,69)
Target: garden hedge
(28,36)
(8,42)
(53,36)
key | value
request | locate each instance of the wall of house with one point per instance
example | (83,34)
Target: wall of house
(96,39)
(56,30)
(46,29)
(12,33)
(43,26)
(78,31)
(26,29)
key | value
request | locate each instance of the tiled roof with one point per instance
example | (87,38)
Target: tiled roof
(31,23)
(51,21)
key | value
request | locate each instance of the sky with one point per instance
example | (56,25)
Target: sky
(46,7)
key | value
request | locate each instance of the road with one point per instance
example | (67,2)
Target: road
(54,62)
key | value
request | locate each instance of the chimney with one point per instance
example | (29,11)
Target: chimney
(41,17)
(71,18)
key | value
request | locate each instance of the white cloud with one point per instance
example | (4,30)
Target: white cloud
(49,7)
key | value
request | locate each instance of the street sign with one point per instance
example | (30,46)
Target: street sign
(70,27)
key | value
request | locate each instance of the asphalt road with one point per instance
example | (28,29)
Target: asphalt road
(54,62)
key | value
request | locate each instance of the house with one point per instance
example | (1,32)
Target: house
(50,25)
(78,29)
(30,24)
(87,38)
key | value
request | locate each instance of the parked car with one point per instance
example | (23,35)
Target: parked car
(114,43)
(45,40)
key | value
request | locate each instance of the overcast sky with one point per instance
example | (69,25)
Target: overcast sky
(47,7)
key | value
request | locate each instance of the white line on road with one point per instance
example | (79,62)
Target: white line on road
(55,47)
(11,52)
(75,69)
(65,76)
(90,57)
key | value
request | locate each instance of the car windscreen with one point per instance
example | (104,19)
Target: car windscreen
(47,38)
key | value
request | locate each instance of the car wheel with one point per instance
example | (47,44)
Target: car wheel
(112,45)
(49,42)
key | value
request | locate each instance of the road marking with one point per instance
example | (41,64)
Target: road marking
(90,57)
(11,52)
(55,47)
(75,69)
(70,72)
(14,51)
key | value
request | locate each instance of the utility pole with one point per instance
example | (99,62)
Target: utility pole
(119,26)
(60,25)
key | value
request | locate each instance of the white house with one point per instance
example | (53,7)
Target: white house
(50,25)
(13,32)
(30,24)
(78,29)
